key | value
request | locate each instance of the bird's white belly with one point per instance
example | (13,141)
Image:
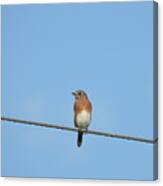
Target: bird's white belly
(83,119)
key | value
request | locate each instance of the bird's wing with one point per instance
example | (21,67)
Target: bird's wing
(75,114)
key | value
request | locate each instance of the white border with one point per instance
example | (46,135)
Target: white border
(70,182)
(60,1)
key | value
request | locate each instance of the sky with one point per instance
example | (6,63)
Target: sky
(50,50)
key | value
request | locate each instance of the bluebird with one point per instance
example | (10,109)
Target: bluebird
(82,113)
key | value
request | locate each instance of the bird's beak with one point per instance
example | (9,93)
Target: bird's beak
(74,93)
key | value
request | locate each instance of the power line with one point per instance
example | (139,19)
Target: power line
(99,133)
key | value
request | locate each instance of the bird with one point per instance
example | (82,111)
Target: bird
(82,113)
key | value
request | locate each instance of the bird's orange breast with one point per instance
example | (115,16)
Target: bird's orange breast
(82,104)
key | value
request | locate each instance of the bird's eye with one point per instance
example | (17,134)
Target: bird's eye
(79,93)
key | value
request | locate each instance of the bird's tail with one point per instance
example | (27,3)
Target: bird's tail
(80,137)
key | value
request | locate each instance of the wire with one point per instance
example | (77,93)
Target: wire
(99,133)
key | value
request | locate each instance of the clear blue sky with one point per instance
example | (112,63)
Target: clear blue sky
(50,50)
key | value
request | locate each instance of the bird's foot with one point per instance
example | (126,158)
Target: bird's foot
(86,130)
